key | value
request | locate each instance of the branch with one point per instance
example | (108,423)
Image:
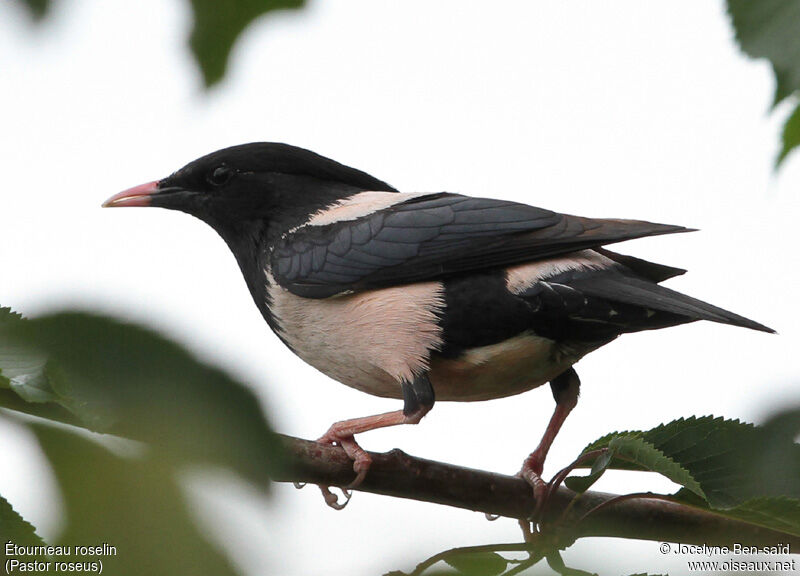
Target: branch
(397,474)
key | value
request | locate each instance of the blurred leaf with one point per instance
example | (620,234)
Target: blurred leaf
(48,410)
(732,462)
(22,369)
(556,562)
(785,423)
(730,468)
(127,380)
(477,563)
(775,466)
(14,528)
(37,8)
(218,25)
(8,315)
(782,514)
(771,29)
(131,504)
(481,560)
(772,463)
(791,134)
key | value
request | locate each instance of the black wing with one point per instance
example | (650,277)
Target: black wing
(435,236)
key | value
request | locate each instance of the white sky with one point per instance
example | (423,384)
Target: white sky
(625,109)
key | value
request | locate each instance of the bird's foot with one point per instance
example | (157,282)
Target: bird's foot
(339,435)
(332,500)
(531,472)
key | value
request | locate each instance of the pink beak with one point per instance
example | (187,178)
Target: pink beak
(136,196)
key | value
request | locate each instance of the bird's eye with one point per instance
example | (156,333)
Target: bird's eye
(219,176)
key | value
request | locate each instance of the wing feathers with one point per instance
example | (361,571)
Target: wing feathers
(434,236)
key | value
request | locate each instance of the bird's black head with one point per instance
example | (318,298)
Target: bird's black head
(275,184)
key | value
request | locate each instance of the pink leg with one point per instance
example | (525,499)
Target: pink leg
(342,433)
(565,388)
(534,464)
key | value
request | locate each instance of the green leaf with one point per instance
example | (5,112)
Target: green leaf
(132,504)
(635,453)
(8,315)
(641,453)
(782,514)
(771,29)
(48,410)
(784,424)
(731,462)
(477,563)
(556,562)
(22,368)
(127,380)
(645,454)
(37,8)
(14,528)
(790,136)
(727,467)
(217,27)
(581,484)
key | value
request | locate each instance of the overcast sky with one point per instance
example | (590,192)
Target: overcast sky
(624,109)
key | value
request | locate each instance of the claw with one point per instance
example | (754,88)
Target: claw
(361,460)
(299,485)
(361,464)
(358,479)
(527,531)
(532,474)
(332,500)
(343,434)
(491,517)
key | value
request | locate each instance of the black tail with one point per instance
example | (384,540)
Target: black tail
(638,292)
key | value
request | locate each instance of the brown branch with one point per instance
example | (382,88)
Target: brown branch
(397,474)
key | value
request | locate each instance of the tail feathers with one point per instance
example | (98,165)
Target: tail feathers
(638,292)
(643,268)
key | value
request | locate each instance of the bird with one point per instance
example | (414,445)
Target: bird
(423,296)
